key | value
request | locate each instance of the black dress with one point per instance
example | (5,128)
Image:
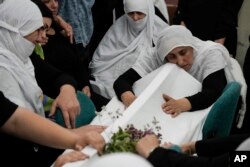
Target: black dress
(70,59)
(211,19)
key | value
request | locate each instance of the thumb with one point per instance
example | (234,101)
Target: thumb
(166,97)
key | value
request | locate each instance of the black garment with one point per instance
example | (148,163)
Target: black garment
(49,78)
(7,108)
(212,88)
(211,19)
(26,154)
(66,57)
(211,153)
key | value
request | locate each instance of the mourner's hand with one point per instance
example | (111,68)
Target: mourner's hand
(146,145)
(67,28)
(175,107)
(71,156)
(95,140)
(127,98)
(90,135)
(86,91)
(188,148)
(69,105)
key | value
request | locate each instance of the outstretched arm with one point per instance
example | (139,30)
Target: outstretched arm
(123,86)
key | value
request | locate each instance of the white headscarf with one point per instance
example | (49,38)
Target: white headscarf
(124,42)
(209,57)
(18,19)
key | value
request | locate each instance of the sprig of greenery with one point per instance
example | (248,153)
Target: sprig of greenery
(125,140)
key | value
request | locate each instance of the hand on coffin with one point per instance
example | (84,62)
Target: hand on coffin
(127,98)
(70,157)
(147,144)
(175,107)
(90,135)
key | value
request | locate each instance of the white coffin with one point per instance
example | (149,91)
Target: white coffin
(146,110)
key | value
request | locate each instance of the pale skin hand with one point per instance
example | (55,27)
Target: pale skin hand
(175,107)
(67,28)
(127,98)
(90,135)
(86,91)
(147,144)
(70,157)
(69,105)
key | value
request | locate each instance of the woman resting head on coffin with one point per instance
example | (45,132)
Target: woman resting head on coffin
(204,60)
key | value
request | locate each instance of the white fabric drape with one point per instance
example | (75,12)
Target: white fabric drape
(18,19)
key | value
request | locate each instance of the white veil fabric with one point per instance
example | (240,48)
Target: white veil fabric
(15,50)
(124,43)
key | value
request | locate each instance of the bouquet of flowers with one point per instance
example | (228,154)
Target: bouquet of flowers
(125,139)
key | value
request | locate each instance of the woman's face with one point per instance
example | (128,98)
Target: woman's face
(52,5)
(39,36)
(181,56)
(136,15)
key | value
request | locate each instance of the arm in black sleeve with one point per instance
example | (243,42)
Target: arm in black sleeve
(7,108)
(49,78)
(125,82)
(217,146)
(162,157)
(212,88)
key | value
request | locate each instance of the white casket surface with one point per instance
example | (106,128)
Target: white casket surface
(146,112)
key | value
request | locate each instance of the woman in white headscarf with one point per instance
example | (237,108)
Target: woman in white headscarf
(18,82)
(207,61)
(20,31)
(128,39)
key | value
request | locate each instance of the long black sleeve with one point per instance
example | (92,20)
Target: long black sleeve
(217,146)
(49,78)
(7,108)
(125,82)
(212,88)
(162,157)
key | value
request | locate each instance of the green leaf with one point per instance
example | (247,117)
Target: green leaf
(39,51)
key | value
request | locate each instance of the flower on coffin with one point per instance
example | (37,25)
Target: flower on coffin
(125,139)
(114,114)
